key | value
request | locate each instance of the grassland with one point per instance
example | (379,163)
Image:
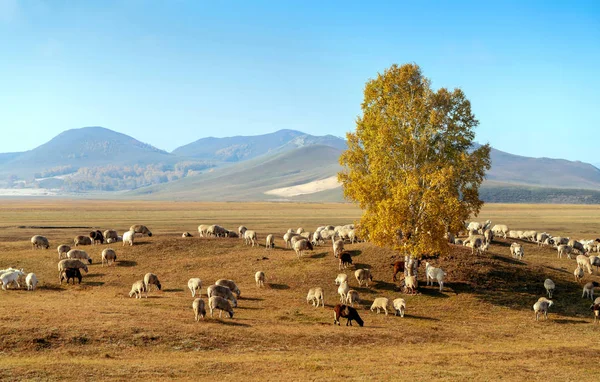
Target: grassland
(481,327)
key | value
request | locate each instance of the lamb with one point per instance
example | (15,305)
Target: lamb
(79,254)
(541,306)
(564,250)
(588,289)
(398,267)
(109,255)
(138,288)
(218,302)
(338,247)
(436,274)
(250,237)
(195,284)
(63,249)
(203,230)
(578,272)
(363,276)
(111,236)
(399,306)
(516,250)
(345,260)
(584,262)
(11,277)
(343,291)
(231,285)
(82,240)
(348,312)
(259,277)
(97,237)
(315,295)
(151,279)
(500,229)
(199,310)
(410,284)
(302,245)
(380,303)
(39,241)
(141,229)
(186,234)
(70,274)
(270,242)
(71,263)
(595,308)
(128,238)
(549,285)
(31,281)
(221,291)
(352,297)
(242,230)
(341,278)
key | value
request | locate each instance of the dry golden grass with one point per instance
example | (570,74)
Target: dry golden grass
(481,327)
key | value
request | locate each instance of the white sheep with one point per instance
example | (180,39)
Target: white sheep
(516,250)
(302,245)
(541,306)
(199,310)
(380,303)
(315,295)
(564,250)
(186,234)
(31,281)
(399,306)
(595,261)
(128,238)
(338,247)
(109,255)
(436,274)
(549,285)
(203,230)
(363,276)
(138,288)
(259,277)
(221,291)
(352,297)
(588,289)
(287,237)
(500,229)
(341,277)
(578,272)
(79,254)
(11,277)
(111,236)
(82,240)
(300,230)
(231,285)
(343,291)
(71,263)
(411,284)
(151,279)
(62,250)
(270,242)
(218,302)
(241,231)
(39,241)
(250,237)
(584,262)
(195,284)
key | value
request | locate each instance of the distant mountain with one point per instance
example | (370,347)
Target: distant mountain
(240,148)
(6,157)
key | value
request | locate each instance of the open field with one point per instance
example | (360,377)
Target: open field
(481,327)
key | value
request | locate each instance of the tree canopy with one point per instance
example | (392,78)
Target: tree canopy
(411,164)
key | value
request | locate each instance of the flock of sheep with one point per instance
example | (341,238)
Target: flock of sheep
(223,294)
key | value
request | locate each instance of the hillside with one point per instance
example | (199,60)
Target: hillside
(241,148)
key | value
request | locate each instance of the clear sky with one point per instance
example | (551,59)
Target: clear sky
(170,72)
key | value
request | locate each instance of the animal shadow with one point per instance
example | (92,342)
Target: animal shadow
(318,255)
(230,322)
(94,283)
(279,286)
(380,284)
(126,263)
(508,260)
(354,252)
(93,274)
(361,266)
(250,298)
(173,290)
(433,292)
(420,317)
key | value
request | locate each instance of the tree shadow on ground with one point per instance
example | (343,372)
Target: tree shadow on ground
(432,292)
(361,266)
(508,260)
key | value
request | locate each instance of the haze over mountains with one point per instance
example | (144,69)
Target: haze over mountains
(284,165)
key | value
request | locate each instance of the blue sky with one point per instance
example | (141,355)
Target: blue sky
(170,72)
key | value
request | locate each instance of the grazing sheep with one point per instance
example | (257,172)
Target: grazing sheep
(39,241)
(380,303)
(595,261)
(231,285)
(576,245)
(516,250)
(79,254)
(588,289)
(11,277)
(500,229)
(345,260)
(488,236)
(128,238)
(287,237)
(436,274)
(476,244)
(399,306)
(203,230)
(250,237)
(270,242)
(316,238)
(549,285)
(530,235)
(584,262)
(62,250)
(186,234)
(541,238)
(71,263)
(138,288)
(315,295)
(109,255)
(218,302)
(242,230)
(564,250)
(31,281)
(578,272)
(343,291)
(398,267)
(151,279)
(338,247)
(560,240)
(199,310)
(231,234)
(259,277)
(363,276)
(302,245)
(111,240)
(348,312)
(97,237)
(111,236)
(474,227)
(195,284)
(410,284)
(70,274)
(300,230)
(141,229)
(341,277)
(221,291)
(82,240)
(595,308)
(541,306)
(352,297)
